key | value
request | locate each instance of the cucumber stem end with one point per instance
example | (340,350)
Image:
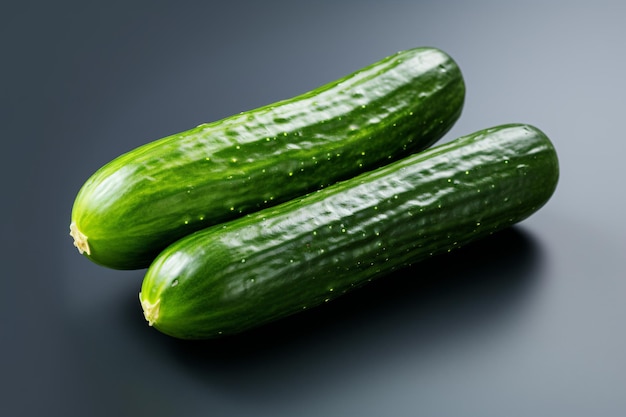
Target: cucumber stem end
(150,310)
(80,239)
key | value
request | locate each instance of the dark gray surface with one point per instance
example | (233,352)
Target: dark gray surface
(528,323)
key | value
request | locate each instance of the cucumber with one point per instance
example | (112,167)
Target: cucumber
(302,253)
(136,205)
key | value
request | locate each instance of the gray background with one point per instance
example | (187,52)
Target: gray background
(527,323)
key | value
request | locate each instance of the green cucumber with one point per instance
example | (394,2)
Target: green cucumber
(139,203)
(278,261)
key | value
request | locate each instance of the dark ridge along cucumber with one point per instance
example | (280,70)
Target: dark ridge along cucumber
(300,254)
(139,203)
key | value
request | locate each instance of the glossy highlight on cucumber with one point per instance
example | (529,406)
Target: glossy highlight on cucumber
(139,203)
(300,254)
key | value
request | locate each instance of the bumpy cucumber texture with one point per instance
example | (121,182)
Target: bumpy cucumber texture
(136,205)
(276,262)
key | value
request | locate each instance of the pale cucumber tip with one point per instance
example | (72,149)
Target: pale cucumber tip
(80,239)
(150,310)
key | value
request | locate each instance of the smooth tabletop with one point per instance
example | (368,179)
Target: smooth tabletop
(529,322)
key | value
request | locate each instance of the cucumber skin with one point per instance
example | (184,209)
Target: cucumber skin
(139,203)
(300,254)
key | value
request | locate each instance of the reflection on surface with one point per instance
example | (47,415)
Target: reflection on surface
(457,300)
